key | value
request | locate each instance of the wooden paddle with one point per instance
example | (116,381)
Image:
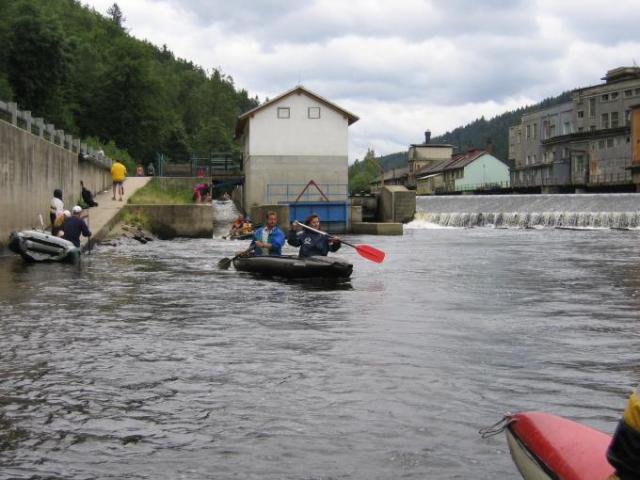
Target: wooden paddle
(366,251)
(225,263)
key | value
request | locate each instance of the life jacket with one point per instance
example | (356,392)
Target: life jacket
(624,451)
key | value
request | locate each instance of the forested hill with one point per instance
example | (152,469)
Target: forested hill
(83,72)
(479,131)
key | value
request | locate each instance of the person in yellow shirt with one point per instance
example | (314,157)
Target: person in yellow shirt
(624,452)
(118,174)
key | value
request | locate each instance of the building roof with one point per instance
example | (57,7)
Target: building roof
(437,145)
(392,174)
(458,160)
(242,119)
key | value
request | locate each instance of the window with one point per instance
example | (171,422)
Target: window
(609,142)
(614,95)
(614,120)
(535,131)
(637,91)
(592,108)
(592,127)
(628,139)
(580,129)
(313,112)
(627,117)
(605,97)
(601,144)
(628,93)
(604,123)
(580,113)
(535,159)
(528,132)
(566,128)
(284,112)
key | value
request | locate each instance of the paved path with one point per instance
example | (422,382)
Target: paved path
(103,218)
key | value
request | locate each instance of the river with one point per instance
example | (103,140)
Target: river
(148,362)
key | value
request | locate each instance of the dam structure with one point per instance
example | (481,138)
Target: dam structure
(617,211)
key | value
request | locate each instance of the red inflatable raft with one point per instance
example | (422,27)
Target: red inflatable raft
(545,446)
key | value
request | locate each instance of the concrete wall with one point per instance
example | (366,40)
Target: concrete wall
(295,171)
(169,221)
(485,169)
(298,135)
(397,204)
(30,169)
(369,228)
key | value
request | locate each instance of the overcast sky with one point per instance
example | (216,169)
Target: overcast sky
(402,66)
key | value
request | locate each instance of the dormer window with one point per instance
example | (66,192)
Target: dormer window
(284,112)
(313,113)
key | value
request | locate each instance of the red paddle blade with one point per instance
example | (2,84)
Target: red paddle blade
(370,253)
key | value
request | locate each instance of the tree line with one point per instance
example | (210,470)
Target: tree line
(82,71)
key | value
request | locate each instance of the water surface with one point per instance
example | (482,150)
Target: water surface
(148,362)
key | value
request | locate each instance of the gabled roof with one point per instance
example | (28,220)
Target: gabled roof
(242,119)
(459,160)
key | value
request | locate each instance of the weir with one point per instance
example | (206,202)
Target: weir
(525,211)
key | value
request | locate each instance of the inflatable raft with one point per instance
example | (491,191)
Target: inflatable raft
(36,246)
(295,267)
(545,446)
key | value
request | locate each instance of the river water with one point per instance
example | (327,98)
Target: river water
(147,362)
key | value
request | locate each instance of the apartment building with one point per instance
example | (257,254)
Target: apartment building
(579,145)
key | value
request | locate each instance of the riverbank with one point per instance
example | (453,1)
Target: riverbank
(107,214)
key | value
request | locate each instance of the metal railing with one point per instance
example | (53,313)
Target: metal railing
(286,192)
(37,126)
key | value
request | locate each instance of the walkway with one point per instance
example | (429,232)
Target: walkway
(103,218)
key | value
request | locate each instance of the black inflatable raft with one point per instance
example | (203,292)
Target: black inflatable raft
(35,246)
(295,267)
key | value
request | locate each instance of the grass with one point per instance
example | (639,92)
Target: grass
(136,218)
(154,193)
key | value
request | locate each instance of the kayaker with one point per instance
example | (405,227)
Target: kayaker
(236,226)
(624,452)
(312,243)
(268,240)
(74,226)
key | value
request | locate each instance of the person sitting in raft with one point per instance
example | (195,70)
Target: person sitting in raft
(74,226)
(624,451)
(268,240)
(247,226)
(312,243)
(236,226)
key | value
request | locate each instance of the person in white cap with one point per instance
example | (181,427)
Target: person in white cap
(75,226)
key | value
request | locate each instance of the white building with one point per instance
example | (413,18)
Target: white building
(290,140)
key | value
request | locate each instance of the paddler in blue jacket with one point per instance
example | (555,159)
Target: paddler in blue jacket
(268,240)
(312,243)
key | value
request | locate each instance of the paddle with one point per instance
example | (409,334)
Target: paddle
(366,251)
(225,263)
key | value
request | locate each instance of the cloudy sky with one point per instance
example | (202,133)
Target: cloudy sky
(402,66)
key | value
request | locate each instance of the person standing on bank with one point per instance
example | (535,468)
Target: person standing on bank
(312,243)
(268,240)
(118,174)
(74,226)
(56,209)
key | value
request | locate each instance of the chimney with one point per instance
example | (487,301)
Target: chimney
(489,146)
(427,136)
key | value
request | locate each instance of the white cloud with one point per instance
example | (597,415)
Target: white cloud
(401,66)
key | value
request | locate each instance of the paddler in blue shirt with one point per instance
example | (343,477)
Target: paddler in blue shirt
(268,240)
(312,243)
